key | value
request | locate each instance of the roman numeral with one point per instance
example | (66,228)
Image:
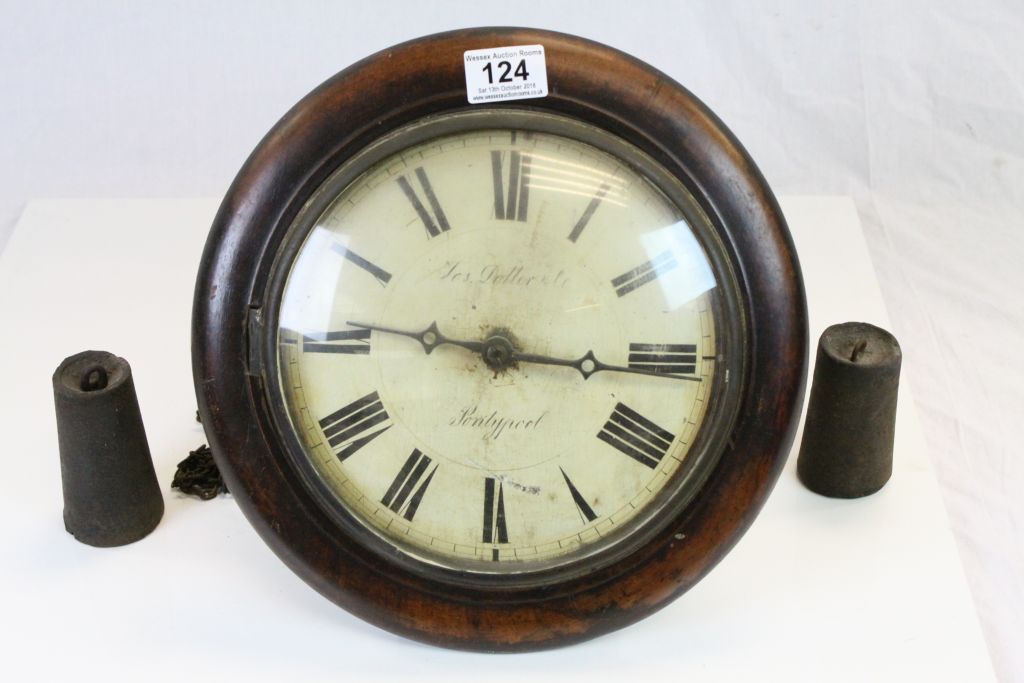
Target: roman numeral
(588,213)
(409,477)
(495,530)
(581,503)
(675,359)
(642,274)
(352,427)
(511,200)
(636,436)
(382,276)
(356,342)
(436,223)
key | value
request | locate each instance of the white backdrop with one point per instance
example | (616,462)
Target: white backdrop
(916,109)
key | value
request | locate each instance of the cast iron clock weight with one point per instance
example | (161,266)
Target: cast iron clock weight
(498,362)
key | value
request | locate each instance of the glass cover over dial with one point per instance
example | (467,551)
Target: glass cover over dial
(497,348)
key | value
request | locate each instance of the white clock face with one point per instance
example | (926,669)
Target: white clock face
(498,347)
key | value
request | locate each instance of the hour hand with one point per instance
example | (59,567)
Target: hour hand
(430,338)
(499,354)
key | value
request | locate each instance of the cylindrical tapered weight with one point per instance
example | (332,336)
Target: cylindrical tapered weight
(111,495)
(846,450)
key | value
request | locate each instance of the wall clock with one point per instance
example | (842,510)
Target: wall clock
(500,339)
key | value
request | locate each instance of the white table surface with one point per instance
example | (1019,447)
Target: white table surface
(818,589)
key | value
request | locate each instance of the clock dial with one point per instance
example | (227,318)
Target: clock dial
(497,347)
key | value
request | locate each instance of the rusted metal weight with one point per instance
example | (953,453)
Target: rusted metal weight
(111,495)
(846,448)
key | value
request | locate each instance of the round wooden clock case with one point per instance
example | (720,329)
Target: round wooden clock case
(602,105)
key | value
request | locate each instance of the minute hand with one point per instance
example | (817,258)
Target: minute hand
(498,352)
(588,364)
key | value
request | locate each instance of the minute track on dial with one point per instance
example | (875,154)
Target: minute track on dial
(499,353)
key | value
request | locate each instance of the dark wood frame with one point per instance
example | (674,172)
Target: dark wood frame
(588,82)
